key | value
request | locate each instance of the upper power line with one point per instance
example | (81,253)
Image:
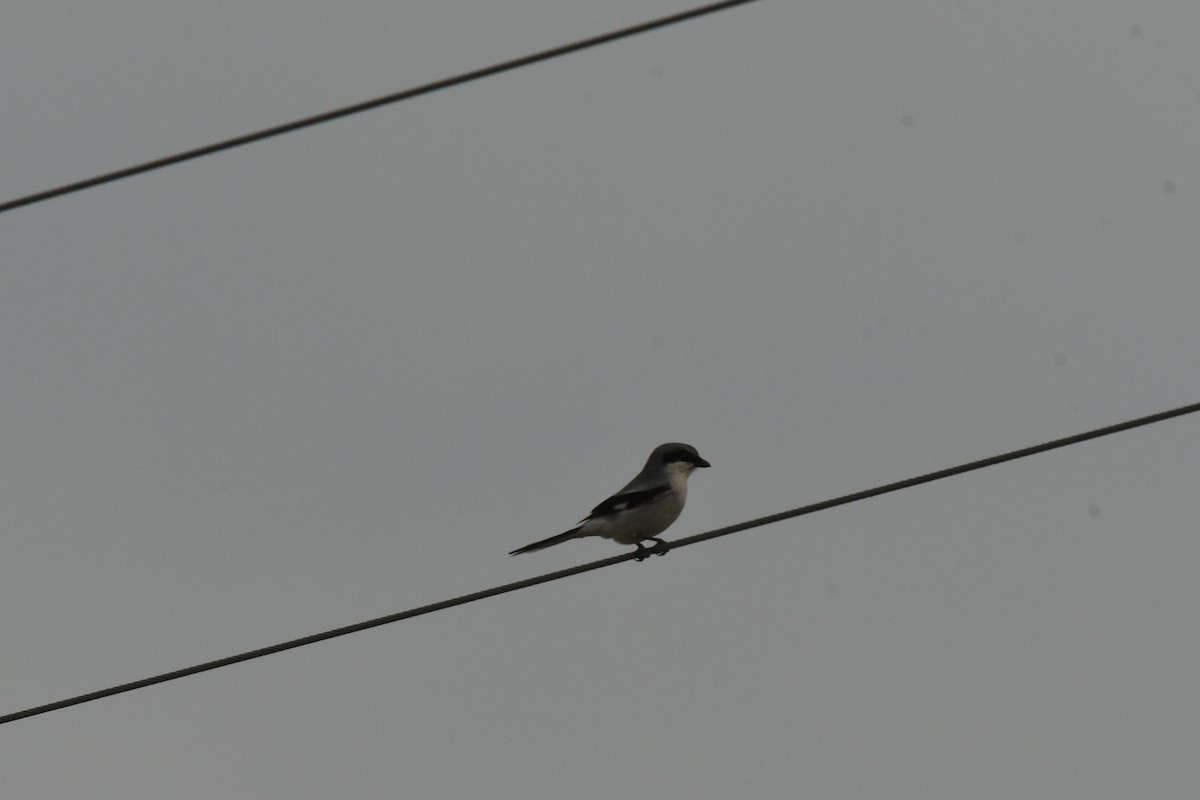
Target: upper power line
(406,94)
(928,477)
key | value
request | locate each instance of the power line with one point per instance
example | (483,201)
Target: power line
(553,576)
(368,105)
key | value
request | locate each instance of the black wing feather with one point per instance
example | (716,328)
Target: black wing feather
(627,500)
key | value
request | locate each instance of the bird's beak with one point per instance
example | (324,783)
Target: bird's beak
(700,462)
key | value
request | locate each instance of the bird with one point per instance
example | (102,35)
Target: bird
(644,508)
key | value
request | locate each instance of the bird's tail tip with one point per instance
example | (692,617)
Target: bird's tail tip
(544,543)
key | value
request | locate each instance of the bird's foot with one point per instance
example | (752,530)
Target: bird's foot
(660,548)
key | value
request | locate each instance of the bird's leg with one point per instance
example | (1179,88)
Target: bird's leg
(660,548)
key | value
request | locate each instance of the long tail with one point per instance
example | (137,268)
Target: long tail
(553,540)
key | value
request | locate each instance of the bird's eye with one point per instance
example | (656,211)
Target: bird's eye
(677,455)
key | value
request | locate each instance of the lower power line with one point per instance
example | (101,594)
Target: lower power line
(553,576)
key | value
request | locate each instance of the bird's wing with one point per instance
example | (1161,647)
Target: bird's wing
(623,501)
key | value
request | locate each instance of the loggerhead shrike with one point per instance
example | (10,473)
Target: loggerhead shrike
(644,508)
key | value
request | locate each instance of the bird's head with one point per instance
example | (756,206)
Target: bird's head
(677,457)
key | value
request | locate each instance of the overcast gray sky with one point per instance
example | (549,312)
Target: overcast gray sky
(341,373)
